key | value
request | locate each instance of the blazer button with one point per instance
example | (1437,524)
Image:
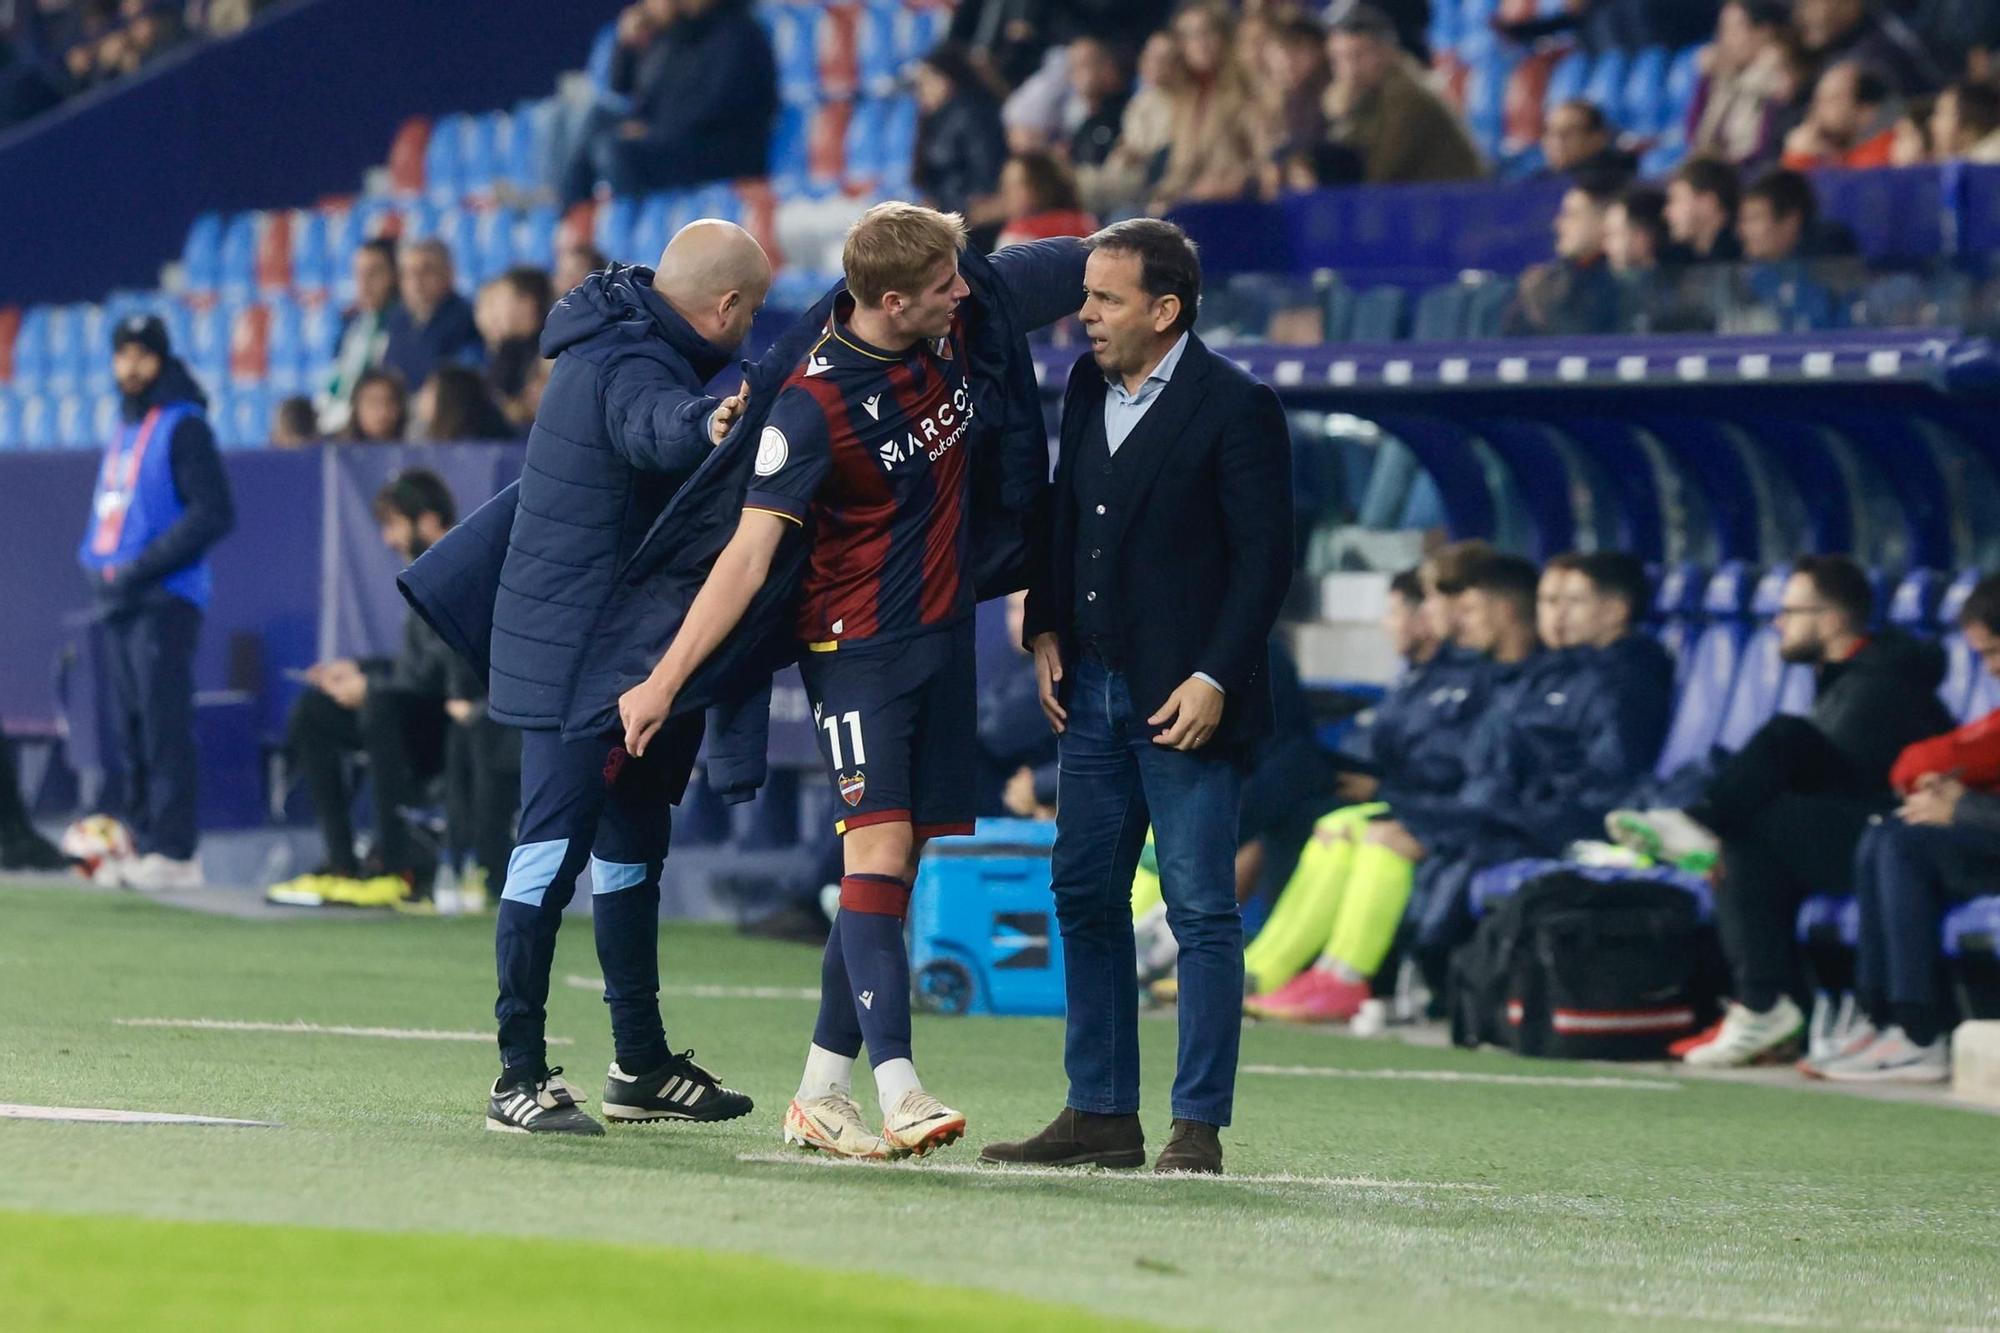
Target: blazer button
(1096,551)
(1090,597)
(1100,509)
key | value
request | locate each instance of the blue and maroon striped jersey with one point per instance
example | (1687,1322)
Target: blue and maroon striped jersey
(869,452)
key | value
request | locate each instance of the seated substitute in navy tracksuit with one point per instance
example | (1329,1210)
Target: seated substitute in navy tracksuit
(162,501)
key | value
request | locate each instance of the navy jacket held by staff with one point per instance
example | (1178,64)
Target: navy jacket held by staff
(563,647)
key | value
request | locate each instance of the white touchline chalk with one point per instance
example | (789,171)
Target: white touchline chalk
(103,1115)
(314,1029)
(1460,1076)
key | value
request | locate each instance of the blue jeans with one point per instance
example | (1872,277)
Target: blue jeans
(1114,779)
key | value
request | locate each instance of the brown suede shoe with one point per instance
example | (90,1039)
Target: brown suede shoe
(1192,1146)
(1077,1138)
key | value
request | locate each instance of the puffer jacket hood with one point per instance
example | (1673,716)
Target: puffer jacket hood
(621,300)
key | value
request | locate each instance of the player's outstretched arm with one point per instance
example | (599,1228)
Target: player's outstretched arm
(1044,279)
(739,572)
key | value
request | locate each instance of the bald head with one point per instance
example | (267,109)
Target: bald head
(715,274)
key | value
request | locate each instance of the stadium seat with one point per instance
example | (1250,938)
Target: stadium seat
(793,33)
(1641,107)
(286,368)
(10,328)
(38,421)
(1914,604)
(1606,84)
(1378,315)
(788,150)
(10,419)
(826,143)
(273,260)
(63,369)
(1712,660)
(1676,609)
(73,422)
(236,264)
(201,254)
(407,154)
(1486,306)
(1440,314)
(312,263)
(1566,80)
(1962,665)
(1765,684)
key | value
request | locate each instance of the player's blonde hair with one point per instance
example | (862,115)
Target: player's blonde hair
(896,247)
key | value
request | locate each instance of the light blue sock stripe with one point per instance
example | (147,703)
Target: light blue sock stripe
(532,868)
(611,876)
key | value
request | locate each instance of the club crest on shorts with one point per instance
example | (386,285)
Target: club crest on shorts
(853,786)
(772,450)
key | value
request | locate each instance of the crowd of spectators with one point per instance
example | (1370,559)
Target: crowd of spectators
(417,361)
(51,50)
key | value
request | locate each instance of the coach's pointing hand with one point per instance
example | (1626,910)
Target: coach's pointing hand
(1048,675)
(725,414)
(643,709)
(1191,714)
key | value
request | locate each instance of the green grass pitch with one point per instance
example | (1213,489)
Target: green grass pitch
(1358,1201)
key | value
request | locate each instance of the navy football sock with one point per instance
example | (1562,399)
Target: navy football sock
(837,1030)
(872,908)
(627,924)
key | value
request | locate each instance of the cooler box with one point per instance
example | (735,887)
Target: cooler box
(983,937)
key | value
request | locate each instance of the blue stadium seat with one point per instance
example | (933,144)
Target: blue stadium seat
(10,419)
(63,370)
(312,264)
(38,421)
(289,371)
(104,418)
(93,347)
(533,140)
(923,28)
(481,152)
(1378,315)
(1974,925)
(1440,315)
(794,42)
(1566,80)
(1765,684)
(1914,604)
(1830,916)
(880,53)
(788,150)
(1962,666)
(1641,106)
(236,266)
(1711,664)
(1676,609)
(535,235)
(899,143)
(443,178)
(1606,84)
(866,140)
(612,227)
(73,423)
(201,254)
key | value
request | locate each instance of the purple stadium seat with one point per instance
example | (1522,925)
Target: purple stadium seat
(1829,917)
(1913,606)
(1765,684)
(1711,662)
(1962,670)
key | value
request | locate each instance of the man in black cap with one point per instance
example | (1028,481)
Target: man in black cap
(162,501)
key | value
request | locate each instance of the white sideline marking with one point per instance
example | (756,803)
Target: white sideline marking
(996,1172)
(15,1111)
(1458,1076)
(701,992)
(315,1029)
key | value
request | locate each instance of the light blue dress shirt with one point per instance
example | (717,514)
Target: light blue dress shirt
(1123,411)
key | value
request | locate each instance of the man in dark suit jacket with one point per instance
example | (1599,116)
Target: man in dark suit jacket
(1148,621)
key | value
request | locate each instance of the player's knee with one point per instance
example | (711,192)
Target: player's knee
(880,849)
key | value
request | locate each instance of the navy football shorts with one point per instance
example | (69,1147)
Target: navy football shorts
(898,730)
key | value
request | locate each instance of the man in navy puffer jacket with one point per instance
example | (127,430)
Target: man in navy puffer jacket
(623,423)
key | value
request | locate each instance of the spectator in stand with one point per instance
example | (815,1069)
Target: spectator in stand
(1038,194)
(433,325)
(1740,101)
(1579,142)
(381,412)
(1120,182)
(511,311)
(1618,25)
(1912,145)
(294,424)
(1635,230)
(1100,88)
(1783,816)
(364,331)
(961,144)
(575,261)
(392,710)
(1967,32)
(1965,124)
(1776,217)
(703,91)
(1701,213)
(1576,293)
(1380,105)
(1411,19)
(1852,123)
(1293,79)
(1003,39)
(454,405)
(1864,32)
(1210,152)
